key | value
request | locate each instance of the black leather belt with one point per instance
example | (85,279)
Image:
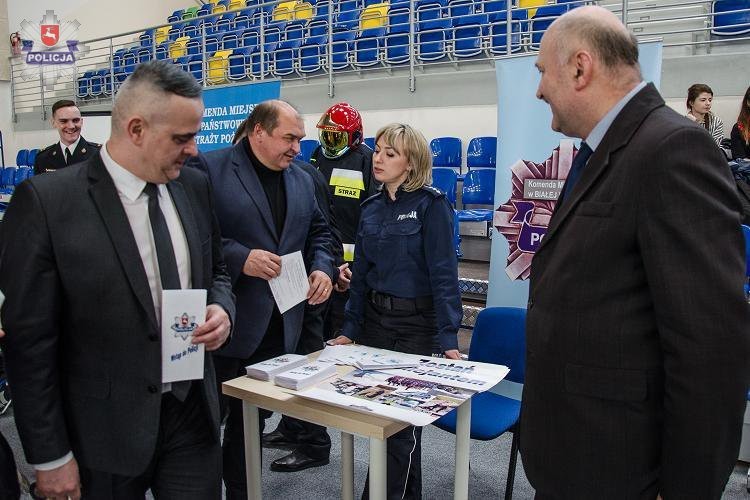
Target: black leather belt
(392,303)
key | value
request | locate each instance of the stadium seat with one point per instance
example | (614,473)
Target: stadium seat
(306,148)
(545,16)
(367,47)
(530,6)
(212,44)
(8,177)
(97,84)
(146,39)
(274,32)
(117,60)
(304,11)
(195,67)
(83,85)
(161,34)
(176,16)
(22,173)
(432,37)
(295,30)
(499,337)
(321,8)
(498,33)
(204,10)
(244,19)
(284,11)
(468,33)
(396,48)
(219,7)
(190,13)
(286,57)
(431,10)
(446,152)
(228,41)
(32,157)
(347,20)
(481,152)
(374,16)
(178,48)
(727,23)
(191,28)
(370,141)
(460,8)
(225,23)
(250,37)
(236,4)
(162,51)
(218,67)
(342,46)
(175,31)
(260,63)
(446,180)
(22,157)
(349,5)
(479,189)
(312,52)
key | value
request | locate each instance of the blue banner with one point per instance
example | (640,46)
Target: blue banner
(226,107)
(532,163)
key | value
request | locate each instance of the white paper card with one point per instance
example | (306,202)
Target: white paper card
(182,311)
(291,286)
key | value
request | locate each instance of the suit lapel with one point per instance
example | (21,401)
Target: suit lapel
(185,211)
(104,194)
(250,181)
(622,129)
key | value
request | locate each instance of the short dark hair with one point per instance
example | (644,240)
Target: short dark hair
(167,77)
(62,103)
(240,132)
(266,114)
(695,91)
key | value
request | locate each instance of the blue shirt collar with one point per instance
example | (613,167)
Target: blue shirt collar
(597,133)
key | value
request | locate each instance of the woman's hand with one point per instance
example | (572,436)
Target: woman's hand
(453,354)
(340,340)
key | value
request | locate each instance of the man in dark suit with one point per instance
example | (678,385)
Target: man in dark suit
(637,328)
(266,209)
(87,253)
(71,148)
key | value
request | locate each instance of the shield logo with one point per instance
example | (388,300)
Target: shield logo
(49,34)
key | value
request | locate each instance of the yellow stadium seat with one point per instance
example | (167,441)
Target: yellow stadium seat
(304,10)
(218,67)
(213,1)
(236,4)
(284,11)
(374,16)
(530,6)
(178,48)
(162,34)
(217,8)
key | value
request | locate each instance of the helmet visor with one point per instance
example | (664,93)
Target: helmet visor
(334,143)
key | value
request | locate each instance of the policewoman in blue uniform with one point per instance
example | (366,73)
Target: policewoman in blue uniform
(404,290)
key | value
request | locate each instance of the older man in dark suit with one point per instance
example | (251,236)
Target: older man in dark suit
(266,210)
(637,329)
(86,254)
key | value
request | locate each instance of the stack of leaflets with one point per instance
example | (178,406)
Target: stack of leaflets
(384,360)
(305,376)
(265,370)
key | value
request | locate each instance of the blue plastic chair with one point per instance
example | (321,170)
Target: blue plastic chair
(468,33)
(481,152)
(306,148)
(544,16)
(22,157)
(499,337)
(746,232)
(176,16)
(370,141)
(479,189)
(22,173)
(367,47)
(287,54)
(446,152)
(32,157)
(732,23)
(445,179)
(8,177)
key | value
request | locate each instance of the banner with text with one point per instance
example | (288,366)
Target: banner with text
(533,163)
(226,107)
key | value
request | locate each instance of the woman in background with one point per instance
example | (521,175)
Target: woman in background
(741,131)
(404,288)
(699,99)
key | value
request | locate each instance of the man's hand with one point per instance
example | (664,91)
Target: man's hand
(453,354)
(215,330)
(344,279)
(340,340)
(262,264)
(320,288)
(63,482)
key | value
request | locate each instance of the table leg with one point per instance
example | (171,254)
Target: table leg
(378,469)
(251,425)
(463,439)
(347,466)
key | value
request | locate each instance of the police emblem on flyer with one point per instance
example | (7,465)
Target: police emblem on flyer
(524,218)
(184,325)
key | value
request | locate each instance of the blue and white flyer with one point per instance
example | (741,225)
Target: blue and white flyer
(182,311)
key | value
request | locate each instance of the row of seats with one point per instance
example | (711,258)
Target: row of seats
(26,157)
(11,176)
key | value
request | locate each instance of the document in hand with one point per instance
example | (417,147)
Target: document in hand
(304,376)
(290,287)
(266,370)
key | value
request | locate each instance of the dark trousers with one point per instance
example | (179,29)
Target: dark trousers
(9,487)
(233,447)
(413,333)
(335,315)
(185,465)
(311,439)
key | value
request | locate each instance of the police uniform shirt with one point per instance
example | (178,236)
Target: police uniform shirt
(350,180)
(404,248)
(52,157)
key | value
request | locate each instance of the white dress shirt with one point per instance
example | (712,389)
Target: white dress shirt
(72,147)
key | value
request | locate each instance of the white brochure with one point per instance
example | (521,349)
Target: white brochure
(291,286)
(182,311)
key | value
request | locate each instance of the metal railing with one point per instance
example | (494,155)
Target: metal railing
(299,42)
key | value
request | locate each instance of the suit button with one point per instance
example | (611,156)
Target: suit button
(152,389)
(153,337)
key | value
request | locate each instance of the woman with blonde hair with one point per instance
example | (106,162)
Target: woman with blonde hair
(699,100)
(404,289)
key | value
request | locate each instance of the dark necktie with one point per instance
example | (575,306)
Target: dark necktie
(170,277)
(67,156)
(575,170)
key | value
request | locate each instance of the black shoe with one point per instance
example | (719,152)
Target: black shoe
(277,440)
(296,461)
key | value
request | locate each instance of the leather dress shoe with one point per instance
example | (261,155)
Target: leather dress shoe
(277,440)
(296,461)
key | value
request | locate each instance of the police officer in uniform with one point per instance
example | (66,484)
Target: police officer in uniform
(404,291)
(72,148)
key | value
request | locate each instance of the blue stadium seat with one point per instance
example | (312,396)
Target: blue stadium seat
(468,33)
(312,54)
(250,36)
(244,19)
(256,68)
(544,16)
(204,10)
(367,47)
(228,41)
(146,38)
(370,141)
(481,152)
(117,60)
(342,46)
(32,157)
(479,189)
(347,20)
(212,44)
(306,148)
(195,66)
(239,63)
(274,32)
(727,23)
(498,33)
(446,152)
(22,173)
(129,61)
(432,37)
(286,57)
(176,16)
(97,84)
(446,180)
(83,85)
(295,30)
(321,8)
(460,8)
(175,31)
(22,157)
(8,177)
(225,22)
